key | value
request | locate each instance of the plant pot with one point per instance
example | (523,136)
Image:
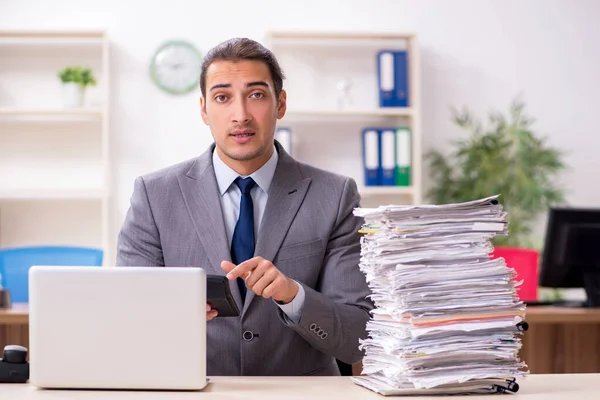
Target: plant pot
(525,262)
(73,95)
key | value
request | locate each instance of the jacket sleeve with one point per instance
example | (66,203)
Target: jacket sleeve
(138,242)
(335,313)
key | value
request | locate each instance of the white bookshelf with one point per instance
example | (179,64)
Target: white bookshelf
(56,114)
(371,191)
(54,161)
(328,135)
(52,194)
(357,112)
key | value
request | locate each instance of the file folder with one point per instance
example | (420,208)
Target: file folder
(388,157)
(284,136)
(392,75)
(403,157)
(371,157)
(385,69)
(401,78)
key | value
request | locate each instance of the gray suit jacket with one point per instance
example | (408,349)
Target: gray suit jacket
(309,233)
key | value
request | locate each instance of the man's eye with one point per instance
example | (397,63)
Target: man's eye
(258,95)
(220,98)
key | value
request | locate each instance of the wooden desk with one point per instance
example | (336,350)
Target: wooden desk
(562,340)
(14,326)
(546,387)
(559,340)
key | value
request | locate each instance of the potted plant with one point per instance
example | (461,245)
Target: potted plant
(75,79)
(509,159)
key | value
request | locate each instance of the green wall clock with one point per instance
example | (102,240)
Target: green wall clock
(175,67)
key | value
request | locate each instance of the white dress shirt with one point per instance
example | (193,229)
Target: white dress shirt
(230,202)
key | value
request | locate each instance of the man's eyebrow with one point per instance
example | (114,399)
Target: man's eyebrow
(257,83)
(220,86)
(249,84)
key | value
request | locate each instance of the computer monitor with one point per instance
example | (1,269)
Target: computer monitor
(571,255)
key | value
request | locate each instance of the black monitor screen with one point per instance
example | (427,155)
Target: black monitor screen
(571,257)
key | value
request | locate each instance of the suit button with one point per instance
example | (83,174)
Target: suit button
(313,327)
(248,336)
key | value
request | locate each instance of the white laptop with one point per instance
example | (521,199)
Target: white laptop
(117,328)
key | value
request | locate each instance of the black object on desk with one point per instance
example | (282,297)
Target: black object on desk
(570,258)
(219,297)
(557,303)
(14,367)
(5,299)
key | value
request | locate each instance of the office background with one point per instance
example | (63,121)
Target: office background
(473,53)
(478,54)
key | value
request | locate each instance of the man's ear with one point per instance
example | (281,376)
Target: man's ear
(282,104)
(203,110)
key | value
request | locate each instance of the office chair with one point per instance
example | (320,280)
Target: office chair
(15,263)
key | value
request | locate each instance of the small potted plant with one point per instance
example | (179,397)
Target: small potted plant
(509,159)
(75,79)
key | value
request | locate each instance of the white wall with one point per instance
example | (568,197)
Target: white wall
(476,53)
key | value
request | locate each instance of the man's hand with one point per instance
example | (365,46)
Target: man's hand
(210,313)
(263,278)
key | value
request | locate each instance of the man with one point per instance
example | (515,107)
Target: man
(283,232)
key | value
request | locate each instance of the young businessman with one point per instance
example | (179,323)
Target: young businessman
(282,231)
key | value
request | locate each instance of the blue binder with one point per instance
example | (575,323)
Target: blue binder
(392,77)
(387,143)
(371,146)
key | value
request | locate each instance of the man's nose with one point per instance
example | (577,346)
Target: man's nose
(241,115)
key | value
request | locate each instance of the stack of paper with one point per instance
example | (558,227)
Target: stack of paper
(447,318)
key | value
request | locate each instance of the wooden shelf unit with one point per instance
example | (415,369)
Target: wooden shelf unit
(327,136)
(54,161)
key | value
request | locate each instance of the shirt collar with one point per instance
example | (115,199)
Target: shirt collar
(262,176)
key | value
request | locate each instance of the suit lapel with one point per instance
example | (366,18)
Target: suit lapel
(201,196)
(286,194)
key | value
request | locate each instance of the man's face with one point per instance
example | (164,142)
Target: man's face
(241,109)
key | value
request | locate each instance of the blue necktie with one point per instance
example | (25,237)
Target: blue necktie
(242,243)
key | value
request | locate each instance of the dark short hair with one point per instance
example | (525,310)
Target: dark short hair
(238,49)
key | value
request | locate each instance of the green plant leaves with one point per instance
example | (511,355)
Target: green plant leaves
(80,75)
(505,157)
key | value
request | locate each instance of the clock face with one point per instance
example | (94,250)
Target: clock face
(175,67)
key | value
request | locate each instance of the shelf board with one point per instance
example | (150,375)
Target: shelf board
(51,34)
(52,194)
(369,191)
(51,114)
(376,112)
(299,35)
(23,37)
(338,40)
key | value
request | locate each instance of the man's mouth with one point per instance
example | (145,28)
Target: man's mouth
(242,136)
(241,133)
